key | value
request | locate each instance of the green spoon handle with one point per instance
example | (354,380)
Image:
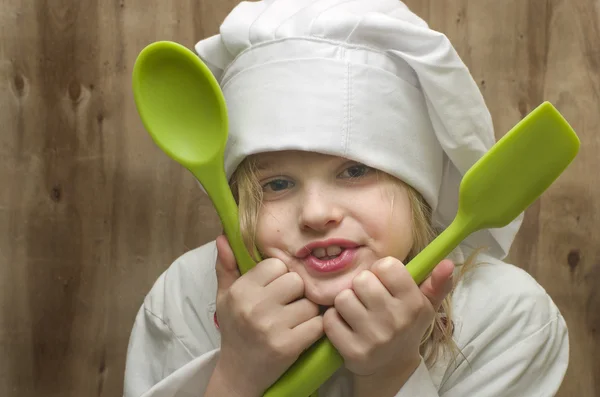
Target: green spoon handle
(215,184)
(309,372)
(319,363)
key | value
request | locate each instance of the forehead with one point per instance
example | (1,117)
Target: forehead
(292,158)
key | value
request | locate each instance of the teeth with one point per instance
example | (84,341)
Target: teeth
(319,252)
(333,250)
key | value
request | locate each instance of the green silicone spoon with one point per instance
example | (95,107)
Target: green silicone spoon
(182,107)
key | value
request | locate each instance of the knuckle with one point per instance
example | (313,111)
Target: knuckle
(362,280)
(422,305)
(236,292)
(358,353)
(294,280)
(385,264)
(252,313)
(381,336)
(343,297)
(396,306)
(264,326)
(420,308)
(411,316)
(398,315)
(400,322)
(245,312)
(390,260)
(276,266)
(280,348)
(293,283)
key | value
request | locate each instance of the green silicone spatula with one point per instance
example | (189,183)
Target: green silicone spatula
(182,107)
(505,181)
(495,190)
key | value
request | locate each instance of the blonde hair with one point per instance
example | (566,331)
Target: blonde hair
(438,340)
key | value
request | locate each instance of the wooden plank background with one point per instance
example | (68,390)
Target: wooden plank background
(91,212)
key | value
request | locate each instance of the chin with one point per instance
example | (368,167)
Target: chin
(323,292)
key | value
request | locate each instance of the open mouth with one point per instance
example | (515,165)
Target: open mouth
(331,252)
(325,262)
(328,256)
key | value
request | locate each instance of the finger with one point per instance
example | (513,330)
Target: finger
(351,309)
(286,288)
(337,330)
(226,265)
(371,292)
(299,312)
(439,284)
(393,275)
(308,332)
(267,271)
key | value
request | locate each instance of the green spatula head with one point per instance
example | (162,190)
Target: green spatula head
(518,169)
(504,182)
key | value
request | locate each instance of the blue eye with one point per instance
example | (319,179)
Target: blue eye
(355,171)
(277,185)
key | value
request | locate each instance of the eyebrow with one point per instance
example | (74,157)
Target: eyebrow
(268,167)
(269,164)
(263,165)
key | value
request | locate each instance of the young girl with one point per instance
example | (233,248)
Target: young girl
(351,125)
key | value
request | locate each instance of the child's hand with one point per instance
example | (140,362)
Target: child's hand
(377,325)
(264,320)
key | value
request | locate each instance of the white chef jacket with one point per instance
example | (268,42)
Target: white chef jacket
(513,338)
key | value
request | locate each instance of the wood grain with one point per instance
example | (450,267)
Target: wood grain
(91,212)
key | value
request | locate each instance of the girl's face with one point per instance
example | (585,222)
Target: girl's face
(328,218)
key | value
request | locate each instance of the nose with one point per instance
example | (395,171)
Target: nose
(320,211)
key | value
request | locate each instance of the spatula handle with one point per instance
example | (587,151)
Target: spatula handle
(423,264)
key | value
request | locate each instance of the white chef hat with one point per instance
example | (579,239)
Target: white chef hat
(362,79)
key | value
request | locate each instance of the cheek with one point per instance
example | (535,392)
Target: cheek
(400,240)
(269,227)
(394,225)
(263,233)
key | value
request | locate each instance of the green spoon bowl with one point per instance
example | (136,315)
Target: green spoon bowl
(191,126)
(182,108)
